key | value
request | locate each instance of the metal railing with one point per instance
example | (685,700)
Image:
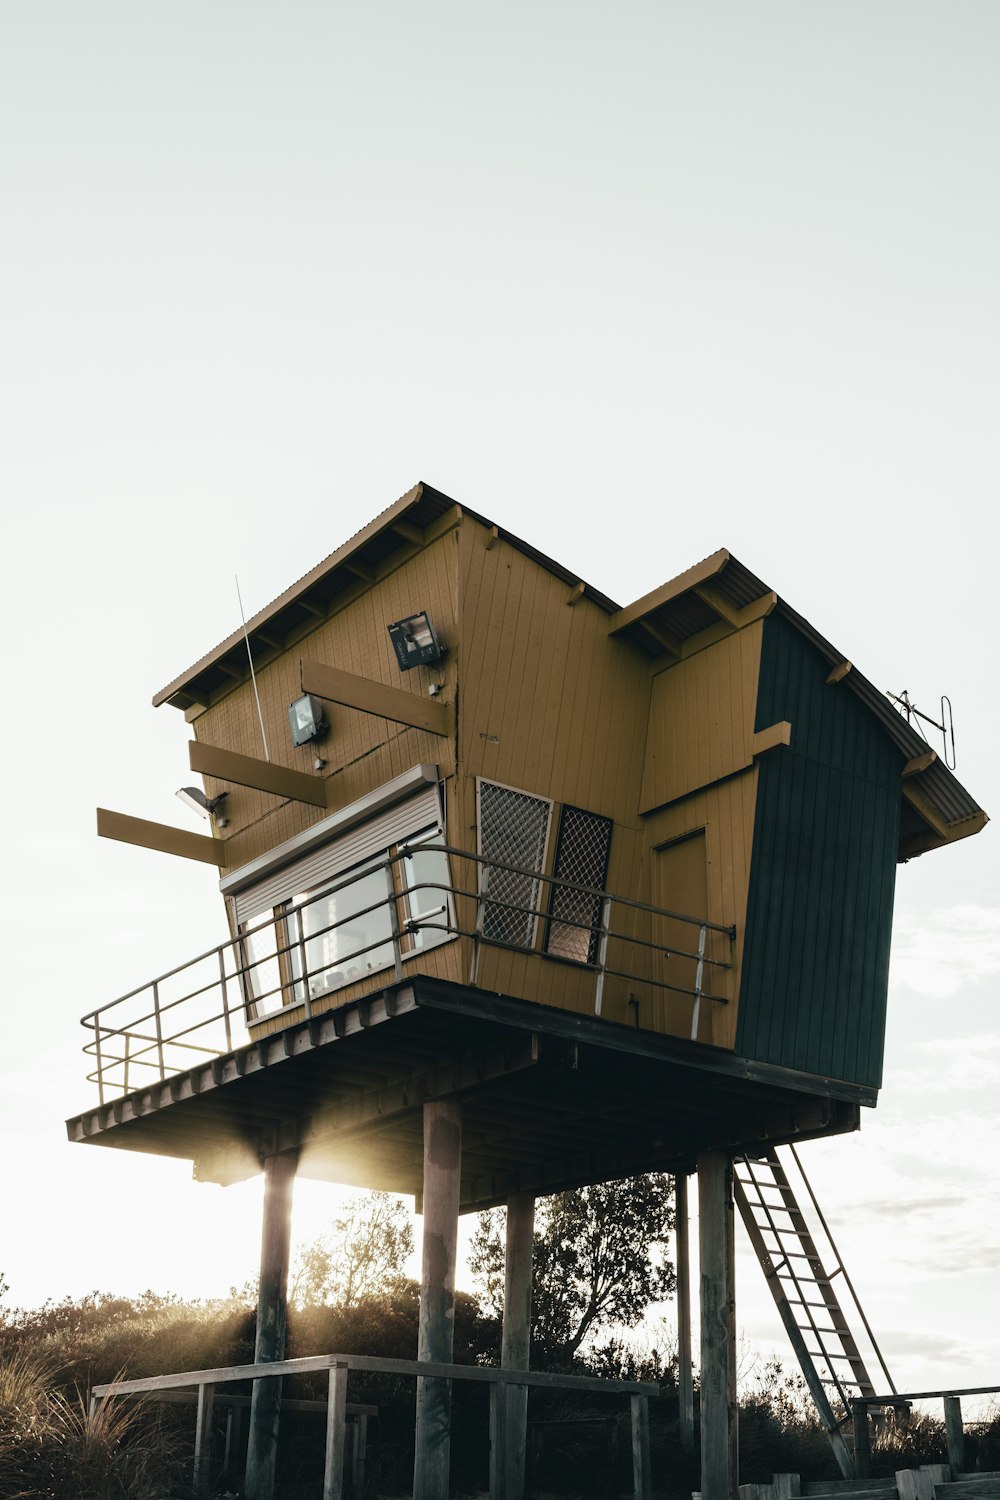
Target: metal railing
(337,1368)
(864,1407)
(291,964)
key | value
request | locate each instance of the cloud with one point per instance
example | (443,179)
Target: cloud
(938,955)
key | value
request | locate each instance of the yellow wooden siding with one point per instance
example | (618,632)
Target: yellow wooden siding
(701,718)
(726,813)
(362,751)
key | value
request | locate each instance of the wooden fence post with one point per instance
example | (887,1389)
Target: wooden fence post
(642,1487)
(862,1440)
(203,1439)
(336,1434)
(955,1434)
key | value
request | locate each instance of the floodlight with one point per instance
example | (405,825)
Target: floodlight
(414,641)
(194,797)
(307,719)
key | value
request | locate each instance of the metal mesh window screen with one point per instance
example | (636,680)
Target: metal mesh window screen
(581,859)
(513,829)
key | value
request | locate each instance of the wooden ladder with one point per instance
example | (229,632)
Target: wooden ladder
(804,1292)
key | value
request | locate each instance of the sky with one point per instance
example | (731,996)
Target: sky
(635,281)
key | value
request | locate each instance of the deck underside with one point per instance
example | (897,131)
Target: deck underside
(550,1100)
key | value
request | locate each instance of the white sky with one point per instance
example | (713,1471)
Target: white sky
(637,281)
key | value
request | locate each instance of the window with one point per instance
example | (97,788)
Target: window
(513,830)
(581,860)
(326,920)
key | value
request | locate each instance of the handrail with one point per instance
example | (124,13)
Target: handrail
(338,1367)
(233,988)
(950,1396)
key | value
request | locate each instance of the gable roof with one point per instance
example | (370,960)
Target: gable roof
(717,593)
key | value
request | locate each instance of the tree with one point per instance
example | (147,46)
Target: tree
(598,1259)
(366,1248)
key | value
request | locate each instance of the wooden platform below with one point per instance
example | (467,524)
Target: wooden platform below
(550,1100)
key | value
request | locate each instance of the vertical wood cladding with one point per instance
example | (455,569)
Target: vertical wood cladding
(819,914)
(548,704)
(701,718)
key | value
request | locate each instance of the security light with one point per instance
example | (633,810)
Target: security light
(307,719)
(194,797)
(414,641)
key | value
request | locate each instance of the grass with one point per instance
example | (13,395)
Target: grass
(53,1445)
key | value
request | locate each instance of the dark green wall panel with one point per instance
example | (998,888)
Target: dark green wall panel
(819,915)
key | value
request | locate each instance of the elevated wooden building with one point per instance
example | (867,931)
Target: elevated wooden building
(525,890)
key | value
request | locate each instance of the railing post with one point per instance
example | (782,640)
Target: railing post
(602,954)
(955,1434)
(203,1439)
(158,1023)
(698,980)
(225,999)
(484,880)
(336,1434)
(397,952)
(128,1048)
(642,1487)
(100,1065)
(862,1439)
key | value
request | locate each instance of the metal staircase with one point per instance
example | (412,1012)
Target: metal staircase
(804,1292)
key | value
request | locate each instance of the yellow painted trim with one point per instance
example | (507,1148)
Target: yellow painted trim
(839,672)
(919,763)
(377,698)
(772,738)
(160,836)
(246,770)
(702,571)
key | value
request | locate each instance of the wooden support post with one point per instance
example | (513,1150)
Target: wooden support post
(719,1478)
(516,1340)
(442,1183)
(955,1434)
(642,1487)
(685,1382)
(336,1434)
(272,1308)
(203,1439)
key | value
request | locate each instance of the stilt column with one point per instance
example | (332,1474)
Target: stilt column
(442,1181)
(719,1476)
(272,1310)
(516,1342)
(685,1383)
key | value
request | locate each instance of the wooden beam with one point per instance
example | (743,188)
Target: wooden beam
(409,532)
(576,593)
(360,569)
(771,738)
(264,776)
(377,698)
(160,836)
(731,613)
(919,763)
(839,672)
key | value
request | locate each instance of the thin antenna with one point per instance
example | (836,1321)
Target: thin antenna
(946,728)
(253,674)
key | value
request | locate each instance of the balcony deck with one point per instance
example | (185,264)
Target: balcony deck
(552,1097)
